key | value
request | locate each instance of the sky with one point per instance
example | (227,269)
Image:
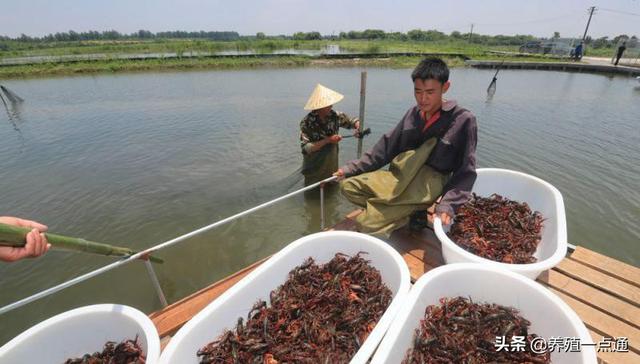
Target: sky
(274,17)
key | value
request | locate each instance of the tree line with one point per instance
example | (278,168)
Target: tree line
(436,36)
(71,36)
(417,35)
(420,35)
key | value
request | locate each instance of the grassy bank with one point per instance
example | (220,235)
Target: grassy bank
(260,46)
(25,49)
(113,66)
(170,64)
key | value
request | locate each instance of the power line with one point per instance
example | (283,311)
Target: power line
(619,12)
(529,21)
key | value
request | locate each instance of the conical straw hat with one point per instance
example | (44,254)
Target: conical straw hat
(322,97)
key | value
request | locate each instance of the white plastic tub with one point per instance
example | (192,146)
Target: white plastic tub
(548,314)
(81,331)
(236,302)
(541,196)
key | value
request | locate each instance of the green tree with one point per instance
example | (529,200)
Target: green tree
(397,36)
(373,34)
(144,34)
(601,42)
(260,35)
(620,38)
(313,36)
(434,35)
(416,34)
(354,35)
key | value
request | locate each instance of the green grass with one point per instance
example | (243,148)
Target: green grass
(112,66)
(23,49)
(181,47)
(169,64)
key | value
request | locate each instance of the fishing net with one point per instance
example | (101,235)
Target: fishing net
(321,164)
(11,96)
(555,46)
(631,55)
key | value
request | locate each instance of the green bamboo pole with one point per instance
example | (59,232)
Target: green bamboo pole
(16,236)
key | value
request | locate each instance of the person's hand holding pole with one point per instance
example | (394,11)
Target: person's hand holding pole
(36,245)
(334,139)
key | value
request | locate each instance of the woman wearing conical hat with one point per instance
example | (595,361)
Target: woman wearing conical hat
(319,136)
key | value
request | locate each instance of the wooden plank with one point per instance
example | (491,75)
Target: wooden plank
(613,358)
(601,322)
(417,267)
(164,342)
(602,359)
(592,296)
(172,317)
(422,245)
(610,266)
(602,281)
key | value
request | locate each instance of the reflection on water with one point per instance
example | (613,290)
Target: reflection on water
(332,200)
(138,159)
(328,49)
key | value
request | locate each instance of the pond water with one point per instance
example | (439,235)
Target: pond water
(138,159)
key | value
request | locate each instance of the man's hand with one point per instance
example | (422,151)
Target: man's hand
(339,174)
(357,127)
(334,139)
(446,219)
(36,245)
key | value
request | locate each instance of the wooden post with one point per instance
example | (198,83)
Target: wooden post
(363,88)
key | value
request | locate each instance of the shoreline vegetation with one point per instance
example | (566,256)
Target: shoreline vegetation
(453,51)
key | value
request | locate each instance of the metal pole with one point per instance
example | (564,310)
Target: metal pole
(470,33)
(363,91)
(584,36)
(156,283)
(166,244)
(322,206)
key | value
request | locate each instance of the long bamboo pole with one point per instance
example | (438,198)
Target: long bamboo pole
(363,92)
(16,236)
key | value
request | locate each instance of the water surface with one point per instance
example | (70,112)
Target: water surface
(137,159)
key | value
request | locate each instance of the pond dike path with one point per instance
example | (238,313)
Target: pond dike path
(557,66)
(187,55)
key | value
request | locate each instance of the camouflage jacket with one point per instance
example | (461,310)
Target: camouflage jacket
(312,129)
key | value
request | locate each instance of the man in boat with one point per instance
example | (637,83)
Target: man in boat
(431,154)
(36,245)
(319,136)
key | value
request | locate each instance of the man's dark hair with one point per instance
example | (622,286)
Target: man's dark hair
(431,69)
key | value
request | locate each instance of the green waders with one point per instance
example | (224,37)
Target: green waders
(320,165)
(390,197)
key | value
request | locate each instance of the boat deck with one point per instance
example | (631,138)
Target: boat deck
(604,292)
